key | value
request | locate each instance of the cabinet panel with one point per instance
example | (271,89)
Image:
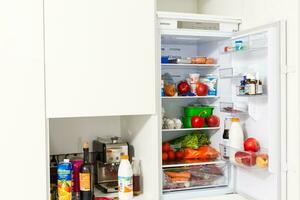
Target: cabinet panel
(100,57)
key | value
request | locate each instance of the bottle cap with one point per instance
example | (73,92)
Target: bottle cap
(235,120)
(86,145)
(66,160)
(124,157)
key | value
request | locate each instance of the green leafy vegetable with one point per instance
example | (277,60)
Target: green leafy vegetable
(192,140)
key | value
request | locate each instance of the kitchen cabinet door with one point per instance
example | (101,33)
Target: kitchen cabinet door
(100,57)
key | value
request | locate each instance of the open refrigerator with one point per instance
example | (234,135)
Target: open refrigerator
(262,116)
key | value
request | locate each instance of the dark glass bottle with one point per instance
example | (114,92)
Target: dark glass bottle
(85,175)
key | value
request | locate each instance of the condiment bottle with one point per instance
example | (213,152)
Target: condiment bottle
(136,176)
(236,138)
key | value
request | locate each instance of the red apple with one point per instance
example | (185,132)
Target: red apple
(197,122)
(171,155)
(166,147)
(213,121)
(183,87)
(245,158)
(251,144)
(201,89)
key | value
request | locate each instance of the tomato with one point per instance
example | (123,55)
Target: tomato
(197,122)
(166,147)
(165,156)
(171,155)
(179,155)
(213,121)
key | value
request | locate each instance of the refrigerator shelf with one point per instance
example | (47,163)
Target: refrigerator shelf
(234,108)
(240,158)
(198,66)
(190,129)
(190,97)
(187,163)
(195,187)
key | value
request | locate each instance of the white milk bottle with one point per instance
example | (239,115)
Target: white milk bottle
(125,179)
(236,138)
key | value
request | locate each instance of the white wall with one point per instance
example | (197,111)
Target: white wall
(22,119)
(68,134)
(258,12)
(178,5)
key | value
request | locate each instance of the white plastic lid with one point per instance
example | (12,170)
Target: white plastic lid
(66,160)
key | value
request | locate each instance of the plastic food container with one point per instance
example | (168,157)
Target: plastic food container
(164,59)
(203,111)
(192,177)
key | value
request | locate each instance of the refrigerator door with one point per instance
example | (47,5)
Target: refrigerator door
(263,54)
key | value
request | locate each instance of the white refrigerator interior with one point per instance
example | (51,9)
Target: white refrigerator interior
(262,117)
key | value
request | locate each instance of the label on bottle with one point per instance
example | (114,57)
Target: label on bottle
(259,89)
(125,184)
(252,89)
(85,181)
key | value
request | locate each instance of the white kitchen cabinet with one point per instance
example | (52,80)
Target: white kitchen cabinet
(22,102)
(100,57)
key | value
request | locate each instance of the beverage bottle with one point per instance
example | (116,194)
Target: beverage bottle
(85,175)
(136,176)
(227,124)
(125,179)
(236,138)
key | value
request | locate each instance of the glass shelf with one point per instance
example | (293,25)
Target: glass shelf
(190,129)
(234,107)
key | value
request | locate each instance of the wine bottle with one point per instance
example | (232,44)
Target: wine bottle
(85,175)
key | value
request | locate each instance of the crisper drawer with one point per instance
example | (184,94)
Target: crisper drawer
(195,177)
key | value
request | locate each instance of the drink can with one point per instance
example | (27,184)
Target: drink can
(64,180)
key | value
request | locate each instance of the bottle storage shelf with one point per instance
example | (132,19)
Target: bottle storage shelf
(195,177)
(246,159)
(189,129)
(190,97)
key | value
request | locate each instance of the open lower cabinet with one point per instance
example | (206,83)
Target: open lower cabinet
(230,64)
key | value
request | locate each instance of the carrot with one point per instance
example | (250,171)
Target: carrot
(178,174)
(179,179)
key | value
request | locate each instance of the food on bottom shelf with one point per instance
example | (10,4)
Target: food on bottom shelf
(193,176)
(262,160)
(251,144)
(213,121)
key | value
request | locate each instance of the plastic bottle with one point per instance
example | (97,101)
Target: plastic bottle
(125,179)
(236,137)
(136,176)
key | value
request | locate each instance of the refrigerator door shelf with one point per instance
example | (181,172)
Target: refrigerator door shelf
(245,159)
